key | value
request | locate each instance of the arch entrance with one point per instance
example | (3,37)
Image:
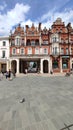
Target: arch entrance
(14,66)
(45,66)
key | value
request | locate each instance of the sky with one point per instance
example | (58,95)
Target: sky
(13,12)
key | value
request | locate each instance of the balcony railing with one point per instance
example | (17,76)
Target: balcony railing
(32,44)
(59,53)
(21,44)
(55,53)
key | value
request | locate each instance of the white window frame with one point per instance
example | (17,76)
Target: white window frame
(21,51)
(29,51)
(36,50)
(66,51)
(33,43)
(45,52)
(13,52)
(55,38)
(45,42)
(4,43)
(17,40)
(3,54)
(62,50)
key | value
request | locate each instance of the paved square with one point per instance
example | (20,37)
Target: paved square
(48,103)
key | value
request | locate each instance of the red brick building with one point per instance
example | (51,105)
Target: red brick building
(44,50)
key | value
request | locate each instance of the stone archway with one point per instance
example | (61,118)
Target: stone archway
(45,66)
(14,66)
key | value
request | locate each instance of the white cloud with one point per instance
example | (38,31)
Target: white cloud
(51,16)
(19,12)
(12,17)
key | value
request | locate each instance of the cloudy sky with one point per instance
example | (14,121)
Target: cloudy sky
(13,12)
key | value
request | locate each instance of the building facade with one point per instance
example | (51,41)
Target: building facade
(4,53)
(41,50)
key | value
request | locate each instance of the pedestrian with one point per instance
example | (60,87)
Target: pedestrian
(9,74)
(25,71)
(6,74)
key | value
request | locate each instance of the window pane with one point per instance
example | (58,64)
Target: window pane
(32,43)
(36,50)
(45,51)
(55,64)
(62,50)
(17,41)
(14,51)
(66,50)
(45,42)
(4,43)
(65,65)
(22,51)
(29,51)
(3,54)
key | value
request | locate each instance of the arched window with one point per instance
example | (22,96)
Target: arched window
(14,51)
(29,50)
(36,50)
(17,41)
(45,51)
(22,51)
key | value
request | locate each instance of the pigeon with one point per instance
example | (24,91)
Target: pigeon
(22,100)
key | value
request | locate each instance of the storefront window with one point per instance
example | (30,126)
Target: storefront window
(65,64)
(55,64)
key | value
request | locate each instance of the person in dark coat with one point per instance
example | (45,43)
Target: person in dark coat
(9,74)
(6,74)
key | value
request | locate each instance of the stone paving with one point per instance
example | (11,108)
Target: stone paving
(48,102)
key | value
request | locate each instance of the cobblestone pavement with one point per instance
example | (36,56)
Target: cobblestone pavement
(48,103)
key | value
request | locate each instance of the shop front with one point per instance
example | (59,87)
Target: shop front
(65,63)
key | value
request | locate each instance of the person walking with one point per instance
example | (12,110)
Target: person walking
(9,74)
(6,74)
